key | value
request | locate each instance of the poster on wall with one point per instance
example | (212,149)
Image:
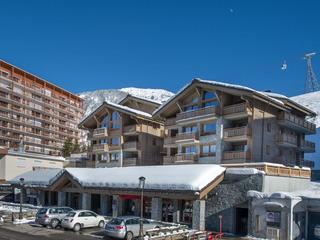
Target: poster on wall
(273,218)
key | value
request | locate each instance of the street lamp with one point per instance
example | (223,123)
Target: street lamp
(142,181)
(21,196)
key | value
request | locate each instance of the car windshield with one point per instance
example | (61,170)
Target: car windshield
(71,214)
(116,221)
(42,210)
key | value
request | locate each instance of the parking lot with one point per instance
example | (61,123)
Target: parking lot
(34,231)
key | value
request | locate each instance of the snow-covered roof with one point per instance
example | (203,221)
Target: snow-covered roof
(157,102)
(243,171)
(39,178)
(164,177)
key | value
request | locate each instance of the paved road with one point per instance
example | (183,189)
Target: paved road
(34,232)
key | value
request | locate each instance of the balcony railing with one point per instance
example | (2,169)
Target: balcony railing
(234,109)
(131,145)
(100,131)
(129,161)
(236,132)
(187,136)
(287,139)
(308,146)
(236,156)
(169,159)
(170,122)
(100,148)
(186,157)
(197,113)
(130,128)
(169,140)
(296,122)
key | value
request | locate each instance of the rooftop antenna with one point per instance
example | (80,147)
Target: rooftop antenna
(311,84)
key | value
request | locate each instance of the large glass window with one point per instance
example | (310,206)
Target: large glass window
(208,95)
(115,141)
(210,104)
(115,116)
(209,149)
(209,127)
(104,122)
(190,149)
(190,129)
(114,156)
(115,125)
(103,141)
(190,108)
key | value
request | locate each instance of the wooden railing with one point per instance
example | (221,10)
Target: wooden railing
(169,140)
(100,131)
(100,147)
(308,145)
(187,157)
(130,161)
(236,155)
(197,113)
(131,144)
(287,139)
(130,128)
(236,108)
(297,121)
(236,132)
(187,136)
(170,122)
(274,169)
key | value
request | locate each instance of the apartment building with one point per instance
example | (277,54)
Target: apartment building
(120,135)
(214,122)
(37,112)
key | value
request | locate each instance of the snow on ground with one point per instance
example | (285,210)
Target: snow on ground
(23,221)
(243,171)
(15,207)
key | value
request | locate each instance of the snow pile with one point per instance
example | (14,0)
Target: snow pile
(125,108)
(8,207)
(169,177)
(23,221)
(1,220)
(312,192)
(243,171)
(93,99)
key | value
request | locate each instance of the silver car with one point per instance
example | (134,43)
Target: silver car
(51,216)
(127,227)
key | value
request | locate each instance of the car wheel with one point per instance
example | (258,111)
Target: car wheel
(129,236)
(77,227)
(54,223)
(101,224)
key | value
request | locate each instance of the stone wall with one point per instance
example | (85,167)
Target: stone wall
(231,192)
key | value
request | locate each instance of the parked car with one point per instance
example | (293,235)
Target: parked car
(127,227)
(76,220)
(51,216)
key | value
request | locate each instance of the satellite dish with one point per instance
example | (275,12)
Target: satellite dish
(284,66)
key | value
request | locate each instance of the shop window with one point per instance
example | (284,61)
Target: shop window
(114,156)
(208,150)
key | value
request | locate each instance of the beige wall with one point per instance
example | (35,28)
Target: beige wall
(12,166)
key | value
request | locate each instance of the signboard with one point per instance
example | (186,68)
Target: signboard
(273,218)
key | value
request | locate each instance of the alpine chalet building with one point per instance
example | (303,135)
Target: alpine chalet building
(36,112)
(214,122)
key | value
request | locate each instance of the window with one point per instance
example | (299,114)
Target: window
(115,116)
(190,149)
(268,149)
(268,127)
(104,122)
(190,108)
(103,141)
(103,157)
(114,156)
(208,95)
(273,219)
(209,149)
(190,129)
(209,127)
(115,125)
(210,104)
(115,141)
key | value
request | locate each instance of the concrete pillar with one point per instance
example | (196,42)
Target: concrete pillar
(176,211)
(69,199)
(61,199)
(198,215)
(40,198)
(219,134)
(86,201)
(156,209)
(49,198)
(116,206)
(104,201)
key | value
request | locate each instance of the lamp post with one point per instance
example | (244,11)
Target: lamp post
(21,196)
(142,181)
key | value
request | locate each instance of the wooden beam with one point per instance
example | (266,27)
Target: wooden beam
(179,106)
(210,186)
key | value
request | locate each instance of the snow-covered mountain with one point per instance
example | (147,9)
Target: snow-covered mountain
(312,101)
(94,98)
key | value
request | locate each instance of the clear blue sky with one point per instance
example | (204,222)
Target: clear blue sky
(87,45)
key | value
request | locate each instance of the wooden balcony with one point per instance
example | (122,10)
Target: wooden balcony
(169,160)
(129,162)
(307,146)
(207,113)
(187,137)
(114,147)
(170,122)
(100,132)
(100,148)
(131,146)
(236,156)
(131,129)
(235,111)
(287,140)
(274,169)
(169,141)
(185,158)
(236,134)
(296,123)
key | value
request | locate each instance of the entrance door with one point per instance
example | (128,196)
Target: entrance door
(242,221)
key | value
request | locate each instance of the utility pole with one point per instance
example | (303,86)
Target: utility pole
(311,84)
